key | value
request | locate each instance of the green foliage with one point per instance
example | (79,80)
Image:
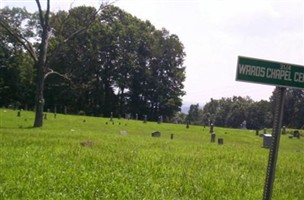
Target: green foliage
(293,107)
(195,115)
(232,112)
(120,64)
(50,163)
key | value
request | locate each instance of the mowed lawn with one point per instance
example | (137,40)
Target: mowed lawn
(51,163)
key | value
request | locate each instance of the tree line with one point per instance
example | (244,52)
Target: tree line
(97,61)
(243,112)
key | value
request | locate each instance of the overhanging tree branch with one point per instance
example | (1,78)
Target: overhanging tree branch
(65,76)
(24,42)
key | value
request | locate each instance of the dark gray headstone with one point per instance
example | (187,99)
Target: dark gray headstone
(296,134)
(156,134)
(220,141)
(212,135)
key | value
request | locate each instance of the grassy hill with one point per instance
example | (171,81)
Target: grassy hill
(80,157)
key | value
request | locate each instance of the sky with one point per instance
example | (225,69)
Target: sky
(214,33)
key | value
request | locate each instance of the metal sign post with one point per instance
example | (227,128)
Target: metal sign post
(273,152)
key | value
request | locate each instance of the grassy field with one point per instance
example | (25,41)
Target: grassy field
(50,162)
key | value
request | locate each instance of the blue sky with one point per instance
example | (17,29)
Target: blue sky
(215,33)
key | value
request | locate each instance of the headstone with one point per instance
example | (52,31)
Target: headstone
(156,134)
(55,112)
(160,119)
(145,118)
(296,134)
(283,130)
(111,116)
(212,137)
(267,138)
(244,125)
(211,128)
(123,132)
(65,110)
(136,116)
(86,143)
(220,141)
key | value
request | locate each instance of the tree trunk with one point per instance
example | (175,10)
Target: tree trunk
(39,100)
(41,69)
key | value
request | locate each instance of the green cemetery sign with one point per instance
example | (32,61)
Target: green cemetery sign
(269,72)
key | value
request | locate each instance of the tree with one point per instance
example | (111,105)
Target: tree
(16,70)
(231,112)
(293,108)
(195,114)
(259,115)
(40,55)
(209,112)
